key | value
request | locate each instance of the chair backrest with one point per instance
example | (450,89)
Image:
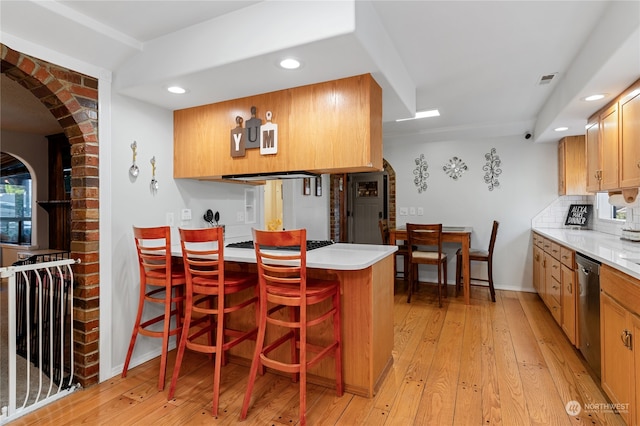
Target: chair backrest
(494,234)
(154,253)
(383,224)
(281,266)
(203,256)
(420,234)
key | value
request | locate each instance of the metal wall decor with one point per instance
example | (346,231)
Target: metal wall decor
(492,169)
(455,168)
(134,170)
(420,173)
(154,182)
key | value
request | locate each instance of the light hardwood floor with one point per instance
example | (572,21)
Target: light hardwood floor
(503,363)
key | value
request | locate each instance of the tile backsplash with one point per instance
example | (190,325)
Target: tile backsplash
(554,215)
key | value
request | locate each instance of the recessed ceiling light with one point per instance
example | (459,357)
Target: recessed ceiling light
(177,90)
(561,129)
(290,64)
(596,97)
(422,114)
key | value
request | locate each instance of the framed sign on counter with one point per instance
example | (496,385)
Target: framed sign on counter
(579,215)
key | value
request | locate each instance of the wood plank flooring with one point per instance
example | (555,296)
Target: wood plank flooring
(503,363)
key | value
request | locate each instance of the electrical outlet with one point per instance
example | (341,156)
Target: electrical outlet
(412,211)
(404,211)
(240,216)
(169,219)
(186,214)
(420,211)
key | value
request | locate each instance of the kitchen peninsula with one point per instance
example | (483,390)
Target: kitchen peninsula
(366,285)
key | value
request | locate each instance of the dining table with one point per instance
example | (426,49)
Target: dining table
(450,234)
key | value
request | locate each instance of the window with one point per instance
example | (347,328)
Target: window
(608,212)
(15,201)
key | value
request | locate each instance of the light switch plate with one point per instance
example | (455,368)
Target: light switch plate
(420,211)
(412,211)
(186,214)
(169,219)
(404,211)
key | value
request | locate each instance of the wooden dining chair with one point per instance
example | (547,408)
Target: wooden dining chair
(478,255)
(161,282)
(208,302)
(420,237)
(287,296)
(403,249)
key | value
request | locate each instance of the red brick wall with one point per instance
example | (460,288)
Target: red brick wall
(72,98)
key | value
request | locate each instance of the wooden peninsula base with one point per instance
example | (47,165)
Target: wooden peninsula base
(367,324)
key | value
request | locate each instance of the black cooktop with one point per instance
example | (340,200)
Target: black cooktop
(311,244)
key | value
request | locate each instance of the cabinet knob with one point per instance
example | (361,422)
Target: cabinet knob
(638,164)
(569,289)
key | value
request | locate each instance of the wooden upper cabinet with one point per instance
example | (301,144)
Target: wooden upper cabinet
(330,127)
(572,166)
(630,138)
(609,151)
(593,155)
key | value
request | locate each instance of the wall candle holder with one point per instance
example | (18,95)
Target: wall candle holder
(154,182)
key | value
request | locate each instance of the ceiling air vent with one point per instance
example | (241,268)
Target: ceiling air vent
(546,79)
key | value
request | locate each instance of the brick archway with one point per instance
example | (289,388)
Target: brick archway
(72,98)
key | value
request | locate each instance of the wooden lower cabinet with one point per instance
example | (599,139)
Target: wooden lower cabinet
(538,269)
(568,302)
(619,330)
(554,278)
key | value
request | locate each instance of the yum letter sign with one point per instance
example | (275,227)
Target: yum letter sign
(254,135)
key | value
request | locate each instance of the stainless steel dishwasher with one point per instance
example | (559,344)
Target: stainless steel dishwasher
(589,310)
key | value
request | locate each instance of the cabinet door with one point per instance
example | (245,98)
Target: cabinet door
(617,359)
(609,150)
(538,271)
(635,408)
(630,139)
(562,188)
(568,302)
(593,156)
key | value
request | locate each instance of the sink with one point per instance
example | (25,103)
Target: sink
(453,228)
(635,260)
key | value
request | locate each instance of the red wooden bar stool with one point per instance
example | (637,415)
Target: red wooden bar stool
(284,286)
(208,285)
(160,282)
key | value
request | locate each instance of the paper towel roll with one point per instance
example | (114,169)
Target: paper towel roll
(619,201)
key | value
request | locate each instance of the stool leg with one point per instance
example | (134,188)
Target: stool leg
(253,371)
(444,283)
(136,327)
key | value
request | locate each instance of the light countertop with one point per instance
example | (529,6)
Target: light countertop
(338,256)
(606,248)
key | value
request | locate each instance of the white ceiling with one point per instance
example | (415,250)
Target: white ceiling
(478,62)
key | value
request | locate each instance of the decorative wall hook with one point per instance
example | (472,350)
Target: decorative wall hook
(455,168)
(154,182)
(133,170)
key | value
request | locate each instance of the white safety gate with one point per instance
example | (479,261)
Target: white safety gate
(37,361)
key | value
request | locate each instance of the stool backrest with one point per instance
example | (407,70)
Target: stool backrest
(154,253)
(281,258)
(203,255)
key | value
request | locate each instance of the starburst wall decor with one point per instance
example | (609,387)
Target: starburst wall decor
(455,168)
(420,173)
(492,169)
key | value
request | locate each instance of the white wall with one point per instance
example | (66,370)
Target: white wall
(28,148)
(135,204)
(528,184)
(306,211)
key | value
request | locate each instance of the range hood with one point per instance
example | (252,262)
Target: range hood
(253,177)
